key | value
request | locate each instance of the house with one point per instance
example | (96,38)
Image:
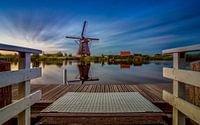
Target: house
(125,53)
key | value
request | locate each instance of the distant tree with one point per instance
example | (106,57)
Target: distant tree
(146,57)
(35,56)
(102,55)
(59,54)
(70,55)
(65,54)
(15,54)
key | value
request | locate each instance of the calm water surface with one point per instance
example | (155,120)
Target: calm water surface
(96,73)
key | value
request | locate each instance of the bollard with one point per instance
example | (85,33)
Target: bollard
(65,76)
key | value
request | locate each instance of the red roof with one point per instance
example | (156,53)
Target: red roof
(125,53)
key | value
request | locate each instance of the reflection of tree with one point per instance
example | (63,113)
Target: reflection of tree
(36,63)
(58,63)
(102,63)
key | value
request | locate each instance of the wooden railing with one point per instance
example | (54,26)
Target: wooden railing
(22,77)
(181,107)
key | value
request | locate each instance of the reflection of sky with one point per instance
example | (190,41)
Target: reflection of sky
(147,26)
(107,74)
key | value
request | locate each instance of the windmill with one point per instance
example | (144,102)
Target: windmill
(83,42)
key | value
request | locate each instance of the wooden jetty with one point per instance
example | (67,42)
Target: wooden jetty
(52,92)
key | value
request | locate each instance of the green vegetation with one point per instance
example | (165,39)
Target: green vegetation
(193,57)
(52,57)
(59,56)
(9,57)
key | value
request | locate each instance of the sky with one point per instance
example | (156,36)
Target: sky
(144,26)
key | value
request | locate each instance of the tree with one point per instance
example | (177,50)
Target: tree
(70,55)
(59,54)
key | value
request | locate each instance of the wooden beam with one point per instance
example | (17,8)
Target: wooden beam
(13,109)
(24,89)
(186,76)
(190,110)
(182,49)
(19,49)
(178,87)
(13,77)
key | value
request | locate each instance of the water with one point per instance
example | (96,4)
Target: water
(96,73)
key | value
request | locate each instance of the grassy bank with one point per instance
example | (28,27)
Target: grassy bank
(102,58)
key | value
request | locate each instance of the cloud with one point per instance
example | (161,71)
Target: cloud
(146,30)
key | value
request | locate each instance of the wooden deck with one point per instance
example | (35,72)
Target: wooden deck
(51,92)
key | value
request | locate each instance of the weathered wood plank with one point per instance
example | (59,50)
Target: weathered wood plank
(185,107)
(182,49)
(13,109)
(13,77)
(186,76)
(19,49)
(194,92)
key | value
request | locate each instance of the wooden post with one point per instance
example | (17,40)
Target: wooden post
(178,88)
(193,91)
(65,76)
(5,92)
(24,88)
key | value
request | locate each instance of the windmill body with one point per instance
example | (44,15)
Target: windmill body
(84,49)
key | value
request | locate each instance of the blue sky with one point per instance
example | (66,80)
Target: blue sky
(147,26)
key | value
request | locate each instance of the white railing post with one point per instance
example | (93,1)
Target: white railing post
(24,88)
(178,88)
(181,107)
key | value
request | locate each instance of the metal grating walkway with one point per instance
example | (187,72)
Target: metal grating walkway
(116,102)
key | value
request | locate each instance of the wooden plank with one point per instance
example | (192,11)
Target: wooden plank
(13,77)
(185,107)
(182,49)
(13,109)
(186,76)
(19,49)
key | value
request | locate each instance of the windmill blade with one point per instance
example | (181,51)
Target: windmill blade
(73,37)
(83,30)
(93,79)
(76,80)
(77,76)
(77,42)
(92,38)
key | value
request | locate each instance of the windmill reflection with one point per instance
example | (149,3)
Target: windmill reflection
(84,73)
